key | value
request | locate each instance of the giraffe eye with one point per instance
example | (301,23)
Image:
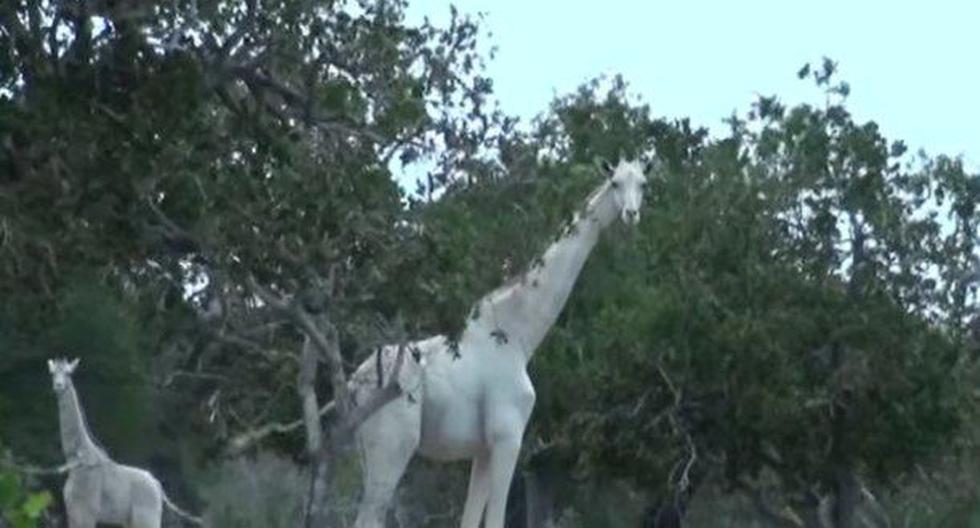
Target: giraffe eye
(615,184)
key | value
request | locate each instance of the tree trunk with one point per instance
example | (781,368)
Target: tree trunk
(315,507)
(847,496)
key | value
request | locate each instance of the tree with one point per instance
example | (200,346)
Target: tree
(242,146)
(780,313)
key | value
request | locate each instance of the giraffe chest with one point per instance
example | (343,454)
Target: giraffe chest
(469,401)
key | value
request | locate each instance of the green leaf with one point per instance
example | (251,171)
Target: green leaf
(804,71)
(35,505)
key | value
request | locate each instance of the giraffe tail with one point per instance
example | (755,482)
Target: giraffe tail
(176,509)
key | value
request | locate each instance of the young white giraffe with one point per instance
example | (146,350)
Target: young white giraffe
(475,406)
(99,490)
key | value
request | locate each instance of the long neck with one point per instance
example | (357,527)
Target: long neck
(75,438)
(527,308)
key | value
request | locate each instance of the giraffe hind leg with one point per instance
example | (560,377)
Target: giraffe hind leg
(78,519)
(387,442)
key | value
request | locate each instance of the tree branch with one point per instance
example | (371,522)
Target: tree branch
(7,461)
(242,441)
(377,398)
(177,233)
(301,107)
(247,344)
(328,347)
(343,429)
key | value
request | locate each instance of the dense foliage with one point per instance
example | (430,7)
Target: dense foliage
(800,301)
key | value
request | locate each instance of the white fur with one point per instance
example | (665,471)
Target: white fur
(98,489)
(475,406)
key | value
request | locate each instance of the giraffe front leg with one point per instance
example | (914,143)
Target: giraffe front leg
(503,459)
(83,494)
(507,415)
(479,491)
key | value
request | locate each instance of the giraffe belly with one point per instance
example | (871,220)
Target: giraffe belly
(452,427)
(125,490)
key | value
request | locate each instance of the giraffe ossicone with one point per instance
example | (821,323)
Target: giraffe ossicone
(475,405)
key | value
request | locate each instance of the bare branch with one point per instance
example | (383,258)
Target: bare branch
(328,348)
(684,482)
(377,399)
(247,439)
(173,230)
(267,297)
(247,344)
(346,425)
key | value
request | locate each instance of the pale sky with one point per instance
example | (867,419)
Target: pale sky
(913,67)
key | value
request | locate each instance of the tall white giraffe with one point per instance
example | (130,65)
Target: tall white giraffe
(98,489)
(476,405)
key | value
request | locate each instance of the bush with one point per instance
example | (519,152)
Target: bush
(20,508)
(265,491)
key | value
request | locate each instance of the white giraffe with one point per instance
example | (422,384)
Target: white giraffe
(99,490)
(474,405)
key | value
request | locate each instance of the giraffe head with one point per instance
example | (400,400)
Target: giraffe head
(61,370)
(627,181)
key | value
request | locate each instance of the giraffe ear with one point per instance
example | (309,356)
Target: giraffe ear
(73,365)
(605,167)
(51,366)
